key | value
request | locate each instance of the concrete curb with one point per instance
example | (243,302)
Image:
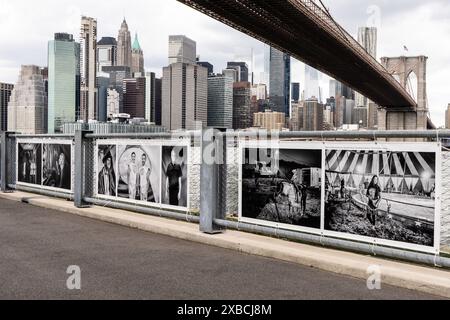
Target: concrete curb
(419,278)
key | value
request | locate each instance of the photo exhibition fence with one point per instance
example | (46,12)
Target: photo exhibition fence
(358,192)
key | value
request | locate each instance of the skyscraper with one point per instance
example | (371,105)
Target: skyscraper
(124,46)
(280,81)
(241,68)
(269,120)
(295,92)
(5,93)
(184,96)
(27,108)
(220,102)
(158,101)
(88,69)
(447,117)
(134,97)
(312,115)
(150,97)
(116,76)
(63,81)
(106,53)
(242,109)
(137,58)
(312,83)
(182,50)
(367,37)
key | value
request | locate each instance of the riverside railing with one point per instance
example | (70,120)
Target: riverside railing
(213,195)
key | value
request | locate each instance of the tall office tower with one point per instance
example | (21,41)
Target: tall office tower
(447,117)
(137,58)
(367,37)
(112,102)
(348,111)
(220,102)
(295,92)
(182,50)
(270,120)
(259,91)
(208,66)
(231,73)
(106,53)
(150,97)
(312,115)
(338,90)
(116,76)
(158,101)
(184,96)
(124,57)
(328,119)
(312,88)
(5,93)
(134,97)
(241,68)
(265,76)
(242,116)
(102,98)
(339,112)
(280,81)
(27,108)
(63,81)
(296,122)
(88,69)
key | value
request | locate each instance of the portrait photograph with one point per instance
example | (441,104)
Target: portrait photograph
(29,163)
(139,173)
(174,176)
(381,194)
(107,169)
(56,164)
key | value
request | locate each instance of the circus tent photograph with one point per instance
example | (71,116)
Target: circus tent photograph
(381,194)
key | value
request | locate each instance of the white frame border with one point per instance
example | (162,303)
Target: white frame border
(422,147)
(291,145)
(42,142)
(151,143)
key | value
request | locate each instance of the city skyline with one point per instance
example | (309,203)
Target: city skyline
(210,35)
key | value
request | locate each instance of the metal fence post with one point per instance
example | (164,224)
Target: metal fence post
(3,164)
(211,176)
(7,161)
(80,168)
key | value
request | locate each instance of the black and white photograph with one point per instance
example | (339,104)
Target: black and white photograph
(107,168)
(139,173)
(57,163)
(386,195)
(174,176)
(285,192)
(29,163)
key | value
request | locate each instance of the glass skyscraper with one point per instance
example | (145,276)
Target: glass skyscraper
(280,81)
(63,81)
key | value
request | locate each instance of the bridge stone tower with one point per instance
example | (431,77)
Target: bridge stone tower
(402,68)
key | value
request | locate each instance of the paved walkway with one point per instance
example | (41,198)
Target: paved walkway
(37,245)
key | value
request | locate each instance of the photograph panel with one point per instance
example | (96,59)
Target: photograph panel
(139,173)
(381,194)
(174,176)
(57,166)
(283,186)
(107,168)
(29,163)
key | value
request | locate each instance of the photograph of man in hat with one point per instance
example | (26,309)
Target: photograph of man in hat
(107,177)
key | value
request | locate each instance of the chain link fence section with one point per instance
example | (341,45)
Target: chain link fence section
(89,170)
(194,161)
(11,160)
(231,178)
(445,210)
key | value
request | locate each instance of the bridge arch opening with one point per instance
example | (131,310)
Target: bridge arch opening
(412,84)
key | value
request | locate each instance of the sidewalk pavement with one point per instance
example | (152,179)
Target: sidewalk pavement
(409,276)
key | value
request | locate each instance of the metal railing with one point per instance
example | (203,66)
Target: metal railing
(213,179)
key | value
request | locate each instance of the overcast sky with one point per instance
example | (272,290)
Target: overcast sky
(422,26)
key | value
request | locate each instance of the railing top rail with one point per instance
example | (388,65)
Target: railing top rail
(43,136)
(162,135)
